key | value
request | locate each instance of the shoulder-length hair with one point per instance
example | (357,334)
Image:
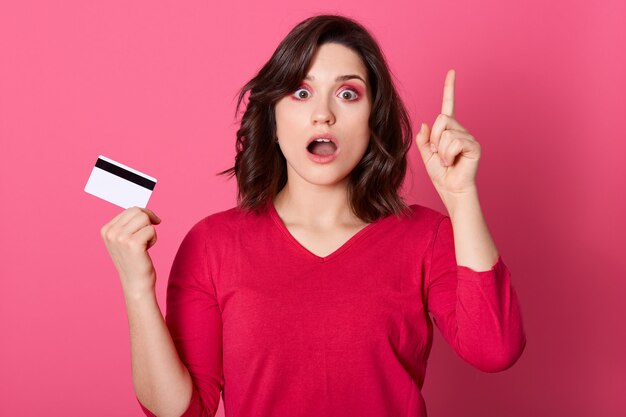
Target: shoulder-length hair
(260,166)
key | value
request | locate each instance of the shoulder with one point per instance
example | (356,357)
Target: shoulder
(413,232)
(422,223)
(224,223)
(419,220)
(424,217)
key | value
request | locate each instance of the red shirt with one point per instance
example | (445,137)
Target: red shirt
(284,332)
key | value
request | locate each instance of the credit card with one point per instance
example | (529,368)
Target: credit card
(119,184)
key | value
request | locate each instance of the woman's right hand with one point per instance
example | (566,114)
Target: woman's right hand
(128,236)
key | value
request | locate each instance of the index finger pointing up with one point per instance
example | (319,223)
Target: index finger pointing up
(447,107)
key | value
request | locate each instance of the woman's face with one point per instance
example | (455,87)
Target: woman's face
(324,105)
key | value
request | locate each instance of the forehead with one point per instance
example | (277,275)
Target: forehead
(332,60)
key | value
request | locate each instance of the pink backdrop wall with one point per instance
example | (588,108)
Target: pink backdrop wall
(151,84)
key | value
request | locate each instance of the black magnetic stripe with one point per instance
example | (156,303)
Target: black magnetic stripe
(124,173)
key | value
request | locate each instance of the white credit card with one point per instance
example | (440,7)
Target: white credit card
(119,184)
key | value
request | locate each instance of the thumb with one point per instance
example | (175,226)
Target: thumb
(423,141)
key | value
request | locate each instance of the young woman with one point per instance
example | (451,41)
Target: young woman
(314,295)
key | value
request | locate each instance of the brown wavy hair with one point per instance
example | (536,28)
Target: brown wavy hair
(260,166)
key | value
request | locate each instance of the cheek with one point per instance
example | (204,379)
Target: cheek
(363,128)
(357,147)
(288,119)
(360,120)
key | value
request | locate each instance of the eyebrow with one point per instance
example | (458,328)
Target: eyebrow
(340,78)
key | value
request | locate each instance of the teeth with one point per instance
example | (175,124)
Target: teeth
(322,140)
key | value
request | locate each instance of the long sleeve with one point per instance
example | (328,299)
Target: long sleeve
(478,313)
(194,320)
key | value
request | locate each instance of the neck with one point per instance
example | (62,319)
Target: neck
(316,206)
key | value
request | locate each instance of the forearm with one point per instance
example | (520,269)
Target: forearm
(161,381)
(473,244)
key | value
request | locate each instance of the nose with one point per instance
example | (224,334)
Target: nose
(322,113)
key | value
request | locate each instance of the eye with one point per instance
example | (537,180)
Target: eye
(298,95)
(343,92)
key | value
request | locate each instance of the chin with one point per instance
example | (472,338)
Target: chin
(325,176)
(321,174)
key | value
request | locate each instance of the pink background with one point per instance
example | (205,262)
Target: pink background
(540,85)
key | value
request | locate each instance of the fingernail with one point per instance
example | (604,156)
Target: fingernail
(443,164)
(433,147)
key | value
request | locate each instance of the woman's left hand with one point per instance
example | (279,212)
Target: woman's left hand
(449,152)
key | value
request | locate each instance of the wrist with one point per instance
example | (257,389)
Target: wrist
(455,199)
(139,294)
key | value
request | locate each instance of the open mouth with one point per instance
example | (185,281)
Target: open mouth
(322,147)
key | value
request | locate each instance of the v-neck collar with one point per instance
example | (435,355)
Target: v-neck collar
(348,243)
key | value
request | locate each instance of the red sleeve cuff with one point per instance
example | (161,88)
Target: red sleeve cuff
(468,274)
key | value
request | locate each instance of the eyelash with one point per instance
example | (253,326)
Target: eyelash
(345,89)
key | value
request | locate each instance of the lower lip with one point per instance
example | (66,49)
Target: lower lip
(322,159)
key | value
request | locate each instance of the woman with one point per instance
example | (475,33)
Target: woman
(314,295)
